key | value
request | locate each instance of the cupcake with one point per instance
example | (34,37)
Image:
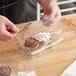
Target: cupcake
(5,71)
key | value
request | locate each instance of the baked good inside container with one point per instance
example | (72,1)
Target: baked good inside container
(36,37)
(7,69)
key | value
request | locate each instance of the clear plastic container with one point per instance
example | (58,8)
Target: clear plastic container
(25,68)
(35,37)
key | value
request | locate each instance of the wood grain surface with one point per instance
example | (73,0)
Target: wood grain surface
(53,61)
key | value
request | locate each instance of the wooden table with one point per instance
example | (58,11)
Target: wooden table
(50,63)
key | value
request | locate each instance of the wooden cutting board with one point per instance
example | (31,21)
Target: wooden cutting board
(53,61)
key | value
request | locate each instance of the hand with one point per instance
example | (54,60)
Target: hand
(51,11)
(8,30)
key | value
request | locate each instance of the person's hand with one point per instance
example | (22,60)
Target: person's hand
(8,30)
(51,11)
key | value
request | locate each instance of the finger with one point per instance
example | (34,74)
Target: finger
(2,38)
(11,26)
(45,18)
(45,11)
(58,15)
(55,19)
(49,21)
(52,12)
(7,35)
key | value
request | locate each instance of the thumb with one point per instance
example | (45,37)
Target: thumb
(52,12)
